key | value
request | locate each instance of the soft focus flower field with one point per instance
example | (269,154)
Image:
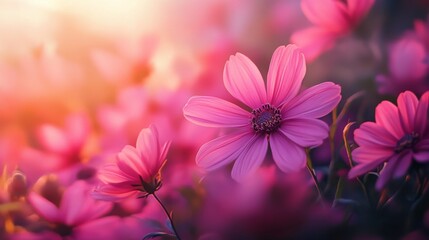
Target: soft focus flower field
(214,119)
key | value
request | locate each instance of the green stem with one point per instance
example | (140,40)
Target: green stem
(168,215)
(313,174)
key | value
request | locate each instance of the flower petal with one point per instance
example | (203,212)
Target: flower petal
(363,168)
(285,75)
(421,119)
(314,102)
(149,149)
(403,164)
(53,139)
(223,150)
(130,163)
(328,14)
(370,134)
(44,208)
(406,59)
(215,112)
(422,151)
(77,206)
(110,173)
(387,116)
(370,154)
(407,105)
(78,129)
(250,158)
(305,132)
(243,80)
(313,41)
(286,154)
(106,228)
(358,9)
(392,165)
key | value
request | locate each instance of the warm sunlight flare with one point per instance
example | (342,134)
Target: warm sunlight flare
(214,119)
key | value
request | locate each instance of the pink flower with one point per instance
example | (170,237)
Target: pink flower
(407,68)
(68,142)
(279,116)
(78,214)
(408,63)
(137,170)
(332,19)
(398,135)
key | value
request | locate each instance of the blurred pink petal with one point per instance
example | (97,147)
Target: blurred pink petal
(313,41)
(332,19)
(365,167)
(44,208)
(214,112)
(53,139)
(406,60)
(103,228)
(422,152)
(326,13)
(359,8)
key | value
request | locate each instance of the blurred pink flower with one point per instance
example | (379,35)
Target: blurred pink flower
(78,214)
(130,64)
(137,170)
(408,63)
(398,135)
(332,19)
(281,116)
(67,142)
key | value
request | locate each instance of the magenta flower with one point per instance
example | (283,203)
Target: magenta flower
(280,117)
(398,135)
(78,216)
(137,170)
(332,19)
(68,142)
(408,63)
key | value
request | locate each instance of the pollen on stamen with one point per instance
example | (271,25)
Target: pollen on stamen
(266,119)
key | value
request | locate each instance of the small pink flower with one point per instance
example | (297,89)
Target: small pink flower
(68,142)
(398,135)
(332,19)
(408,68)
(137,170)
(279,116)
(408,63)
(78,215)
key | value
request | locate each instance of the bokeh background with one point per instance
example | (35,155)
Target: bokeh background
(100,71)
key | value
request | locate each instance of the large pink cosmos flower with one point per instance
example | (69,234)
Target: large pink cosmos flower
(398,135)
(332,19)
(279,116)
(137,170)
